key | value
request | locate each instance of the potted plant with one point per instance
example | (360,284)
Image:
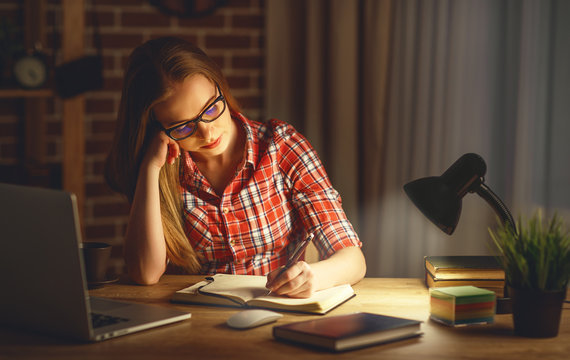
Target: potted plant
(536,260)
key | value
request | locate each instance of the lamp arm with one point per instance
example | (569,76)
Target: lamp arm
(497,204)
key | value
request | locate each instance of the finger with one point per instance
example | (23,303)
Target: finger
(173,152)
(280,280)
(272,276)
(297,280)
(169,148)
(304,291)
(307,283)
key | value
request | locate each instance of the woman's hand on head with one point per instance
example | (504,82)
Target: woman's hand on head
(298,281)
(161,150)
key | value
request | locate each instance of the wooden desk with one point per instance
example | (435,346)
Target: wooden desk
(205,335)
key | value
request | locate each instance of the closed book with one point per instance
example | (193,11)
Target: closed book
(249,291)
(458,267)
(462,270)
(497,286)
(346,332)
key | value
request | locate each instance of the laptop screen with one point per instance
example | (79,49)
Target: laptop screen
(40,262)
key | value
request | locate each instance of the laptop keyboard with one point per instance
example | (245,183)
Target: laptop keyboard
(99,320)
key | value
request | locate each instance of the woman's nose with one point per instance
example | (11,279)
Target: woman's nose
(204,130)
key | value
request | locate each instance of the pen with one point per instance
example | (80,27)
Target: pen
(299,249)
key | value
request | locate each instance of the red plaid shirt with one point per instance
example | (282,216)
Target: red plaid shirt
(281,193)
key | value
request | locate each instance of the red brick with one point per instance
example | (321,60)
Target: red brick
(113,84)
(212,21)
(99,105)
(247,21)
(228,42)
(122,3)
(8,130)
(137,19)
(95,190)
(121,41)
(51,149)
(247,62)
(53,128)
(97,146)
(104,18)
(239,82)
(111,210)
(218,60)
(99,231)
(254,102)
(99,168)
(241,3)
(104,127)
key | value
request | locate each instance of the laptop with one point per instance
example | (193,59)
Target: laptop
(42,275)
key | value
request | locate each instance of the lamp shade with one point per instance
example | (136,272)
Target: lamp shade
(439,197)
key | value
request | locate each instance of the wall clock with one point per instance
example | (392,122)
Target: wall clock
(30,71)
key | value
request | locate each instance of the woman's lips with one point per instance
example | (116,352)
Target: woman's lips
(213,144)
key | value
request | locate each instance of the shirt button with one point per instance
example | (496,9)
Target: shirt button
(232,242)
(225,210)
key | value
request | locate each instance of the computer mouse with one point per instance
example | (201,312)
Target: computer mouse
(251,318)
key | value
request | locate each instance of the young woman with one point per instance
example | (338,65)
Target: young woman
(212,191)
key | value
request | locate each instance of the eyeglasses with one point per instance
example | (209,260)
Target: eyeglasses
(188,128)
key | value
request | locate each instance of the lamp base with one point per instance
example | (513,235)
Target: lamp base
(504,305)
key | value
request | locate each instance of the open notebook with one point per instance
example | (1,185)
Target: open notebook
(250,291)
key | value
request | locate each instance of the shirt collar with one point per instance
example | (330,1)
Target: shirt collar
(250,154)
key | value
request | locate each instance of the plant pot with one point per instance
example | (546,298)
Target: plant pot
(536,313)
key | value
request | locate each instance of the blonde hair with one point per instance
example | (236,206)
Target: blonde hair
(152,69)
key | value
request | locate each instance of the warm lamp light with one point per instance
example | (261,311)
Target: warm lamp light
(439,198)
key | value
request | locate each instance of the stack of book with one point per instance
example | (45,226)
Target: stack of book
(462,305)
(479,271)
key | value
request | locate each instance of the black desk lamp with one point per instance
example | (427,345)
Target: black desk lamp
(439,198)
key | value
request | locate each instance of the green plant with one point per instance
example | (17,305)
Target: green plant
(538,258)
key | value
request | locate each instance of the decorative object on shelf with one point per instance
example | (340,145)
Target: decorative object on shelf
(84,74)
(31,70)
(439,199)
(79,76)
(536,260)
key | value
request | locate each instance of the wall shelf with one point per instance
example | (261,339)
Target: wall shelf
(73,109)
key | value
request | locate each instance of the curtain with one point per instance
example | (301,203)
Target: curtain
(390,91)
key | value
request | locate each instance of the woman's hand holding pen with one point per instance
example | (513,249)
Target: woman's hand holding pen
(297,281)
(296,278)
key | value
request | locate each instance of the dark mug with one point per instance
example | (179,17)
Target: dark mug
(96,256)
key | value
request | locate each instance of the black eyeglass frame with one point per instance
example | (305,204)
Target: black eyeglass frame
(197,119)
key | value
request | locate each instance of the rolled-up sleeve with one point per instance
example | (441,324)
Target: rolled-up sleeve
(318,204)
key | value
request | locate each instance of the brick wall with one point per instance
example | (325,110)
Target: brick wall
(232,35)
